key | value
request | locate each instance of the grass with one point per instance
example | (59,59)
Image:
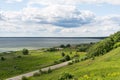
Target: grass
(106,67)
(37,59)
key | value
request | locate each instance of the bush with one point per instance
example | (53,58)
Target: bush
(70,63)
(24,78)
(36,74)
(25,51)
(56,62)
(19,56)
(76,55)
(2,58)
(62,60)
(68,45)
(76,60)
(52,49)
(66,76)
(70,52)
(62,46)
(49,70)
(84,58)
(104,46)
(67,58)
(63,54)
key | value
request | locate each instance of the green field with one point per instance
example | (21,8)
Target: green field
(106,67)
(14,65)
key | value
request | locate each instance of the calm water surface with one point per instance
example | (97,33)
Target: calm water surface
(10,44)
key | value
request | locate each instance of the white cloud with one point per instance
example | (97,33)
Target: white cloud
(73,2)
(58,18)
(12,1)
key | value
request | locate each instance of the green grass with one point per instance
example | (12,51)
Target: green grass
(37,59)
(106,67)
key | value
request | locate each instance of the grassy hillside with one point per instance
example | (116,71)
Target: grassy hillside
(106,67)
(105,45)
(16,63)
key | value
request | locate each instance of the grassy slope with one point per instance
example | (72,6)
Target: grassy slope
(106,67)
(35,60)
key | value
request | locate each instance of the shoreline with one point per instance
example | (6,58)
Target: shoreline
(10,50)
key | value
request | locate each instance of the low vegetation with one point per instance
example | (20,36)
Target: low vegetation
(104,67)
(105,45)
(19,62)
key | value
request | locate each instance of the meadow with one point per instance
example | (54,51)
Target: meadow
(16,63)
(106,67)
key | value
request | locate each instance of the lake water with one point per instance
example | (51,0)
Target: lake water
(11,44)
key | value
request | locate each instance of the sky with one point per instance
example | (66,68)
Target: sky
(59,18)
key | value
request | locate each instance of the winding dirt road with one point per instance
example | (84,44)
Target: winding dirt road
(43,69)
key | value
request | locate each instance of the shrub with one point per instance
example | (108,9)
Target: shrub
(76,60)
(70,52)
(76,55)
(84,58)
(104,46)
(36,74)
(24,78)
(67,57)
(2,58)
(66,76)
(52,49)
(49,70)
(56,62)
(68,45)
(70,63)
(62,60)
(63,54)
(19,56)
(62,46)
(25,51)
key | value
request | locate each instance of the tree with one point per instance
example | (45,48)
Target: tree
(67,57)
(25,51)
(62,46)
(68,45)
(2,58)
(63,54)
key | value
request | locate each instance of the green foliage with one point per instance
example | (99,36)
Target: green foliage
(76,60)
(117,45)
(2,58)
(83,47)
(104,67)
(49,70)
(66,76)
(24,78)
(25,51)
(67,58)
(19,56)
(71,52)
(68,45)
(63,54)
(62,46)
(37,74)
(65,46)
(52,49)
(104,46)
(70,63)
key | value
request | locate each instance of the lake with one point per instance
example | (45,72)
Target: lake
(18,43)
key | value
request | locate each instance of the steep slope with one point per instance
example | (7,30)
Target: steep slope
(106,67)
(105,45)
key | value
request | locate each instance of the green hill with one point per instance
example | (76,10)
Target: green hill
(106,67)
(104,46)
(96,67)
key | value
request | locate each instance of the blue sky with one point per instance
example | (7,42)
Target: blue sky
(60,18)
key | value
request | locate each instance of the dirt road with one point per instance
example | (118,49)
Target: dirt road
(19,77)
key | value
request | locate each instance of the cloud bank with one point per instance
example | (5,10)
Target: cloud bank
(58,18)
